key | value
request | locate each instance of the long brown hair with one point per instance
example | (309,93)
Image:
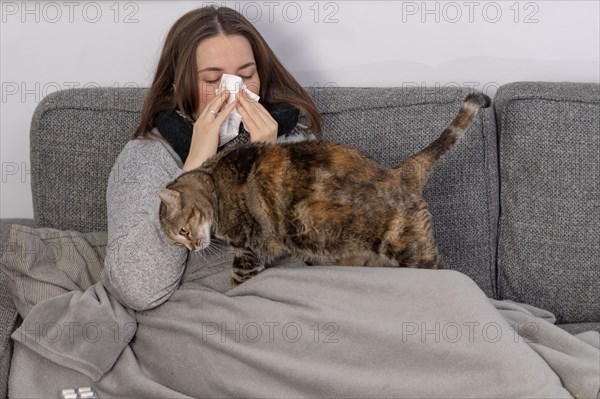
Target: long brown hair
(175,85)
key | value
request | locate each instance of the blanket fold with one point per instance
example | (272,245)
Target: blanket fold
(85,331)
(575,361)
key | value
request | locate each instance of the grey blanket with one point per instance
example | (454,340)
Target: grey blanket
(305,332)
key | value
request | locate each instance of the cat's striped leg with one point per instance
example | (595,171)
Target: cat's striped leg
(245,266)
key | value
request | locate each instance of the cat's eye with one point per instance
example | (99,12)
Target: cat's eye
(183,231)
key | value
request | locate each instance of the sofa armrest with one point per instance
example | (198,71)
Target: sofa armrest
(8,312)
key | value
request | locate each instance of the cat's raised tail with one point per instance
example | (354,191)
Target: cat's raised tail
(415,170)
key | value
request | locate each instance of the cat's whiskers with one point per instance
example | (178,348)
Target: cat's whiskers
(214,248)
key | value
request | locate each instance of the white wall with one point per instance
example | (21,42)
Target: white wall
(46,46)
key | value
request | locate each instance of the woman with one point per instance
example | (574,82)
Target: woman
(179,130)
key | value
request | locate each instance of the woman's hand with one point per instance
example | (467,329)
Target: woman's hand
(257,120)
(205,137)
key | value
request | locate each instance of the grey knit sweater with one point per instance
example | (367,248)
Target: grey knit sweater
(142,267)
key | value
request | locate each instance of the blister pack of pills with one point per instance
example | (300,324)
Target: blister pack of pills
(78,393)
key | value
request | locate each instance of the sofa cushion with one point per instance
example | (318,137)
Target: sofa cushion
(76,136)
(43,263)
(549,242)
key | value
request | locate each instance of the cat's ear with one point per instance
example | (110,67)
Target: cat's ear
(171,198)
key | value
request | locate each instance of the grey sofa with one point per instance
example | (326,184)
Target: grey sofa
(516,205)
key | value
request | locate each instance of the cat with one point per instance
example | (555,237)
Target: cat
(318,201)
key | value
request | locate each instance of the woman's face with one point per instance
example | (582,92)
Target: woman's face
(224,54)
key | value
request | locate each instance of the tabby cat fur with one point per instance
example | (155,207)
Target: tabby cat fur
(318,201)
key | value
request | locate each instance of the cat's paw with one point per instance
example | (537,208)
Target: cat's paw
(238,278)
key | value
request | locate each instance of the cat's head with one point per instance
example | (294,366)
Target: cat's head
(185,220)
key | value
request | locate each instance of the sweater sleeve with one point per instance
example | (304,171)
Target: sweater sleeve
(143,268)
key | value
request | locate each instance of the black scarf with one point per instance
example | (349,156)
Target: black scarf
(177,128)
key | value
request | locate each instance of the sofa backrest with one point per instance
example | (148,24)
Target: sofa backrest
(549,237)
(76,136)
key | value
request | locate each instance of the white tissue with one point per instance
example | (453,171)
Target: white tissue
(230,128)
